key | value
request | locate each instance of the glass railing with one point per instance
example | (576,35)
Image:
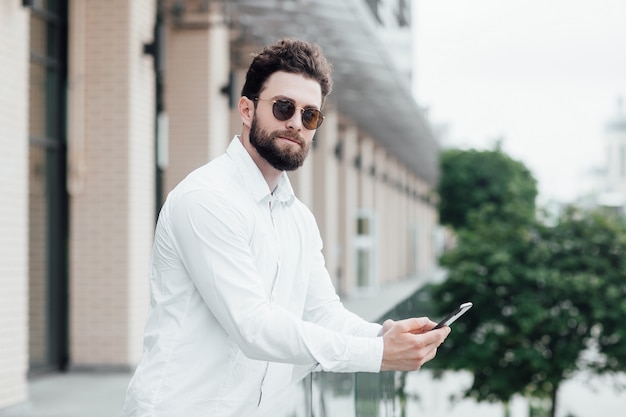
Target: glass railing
(323,394)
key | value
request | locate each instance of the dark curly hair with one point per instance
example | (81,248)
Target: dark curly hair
(288,55)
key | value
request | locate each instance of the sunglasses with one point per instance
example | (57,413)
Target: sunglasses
(284,109)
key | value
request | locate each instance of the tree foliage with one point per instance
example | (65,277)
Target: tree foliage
(472,179)
(593,245)
(543,295)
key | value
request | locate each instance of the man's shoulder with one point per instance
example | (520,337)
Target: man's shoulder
(215,182)
(216,175)
(303,212)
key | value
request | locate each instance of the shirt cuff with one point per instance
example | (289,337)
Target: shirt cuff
(367,354)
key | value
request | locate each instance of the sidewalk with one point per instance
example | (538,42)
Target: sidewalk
(74,394)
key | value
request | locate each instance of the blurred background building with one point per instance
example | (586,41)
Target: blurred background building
(612,185)
(605,185)
(106,105)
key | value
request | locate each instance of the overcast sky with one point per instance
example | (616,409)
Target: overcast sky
(545,75)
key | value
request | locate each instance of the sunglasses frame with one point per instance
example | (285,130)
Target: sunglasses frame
(276,113)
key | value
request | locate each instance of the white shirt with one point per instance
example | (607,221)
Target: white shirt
(239,294)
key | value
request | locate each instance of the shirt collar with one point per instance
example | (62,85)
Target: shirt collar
(255,182)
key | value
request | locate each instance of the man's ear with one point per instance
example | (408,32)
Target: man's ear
(246,110)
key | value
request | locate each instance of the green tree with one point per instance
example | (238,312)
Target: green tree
(593,245)
(542,295)
(472,179)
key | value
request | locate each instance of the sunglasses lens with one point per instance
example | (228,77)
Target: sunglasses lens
(312,119)
(283,109)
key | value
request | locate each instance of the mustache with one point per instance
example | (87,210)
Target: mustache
(290,134)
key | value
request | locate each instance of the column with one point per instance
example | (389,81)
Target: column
(394,219)
(14,53)
(348,204)
(197,68)
(112,201)
(382,214)
(326,190)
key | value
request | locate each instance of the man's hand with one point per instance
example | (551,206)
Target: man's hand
(409,343)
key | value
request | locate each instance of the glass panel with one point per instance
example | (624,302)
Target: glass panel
(622,162)
(365,249)
(38,29)
(47,198)
(53,6)
(52,41)
(54,110)
(384,394)
(45,34)
(363,226)
(38,322)
(37,92)
(333,394)
(42,4)
(363,267)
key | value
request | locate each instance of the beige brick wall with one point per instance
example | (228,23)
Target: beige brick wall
(348,205)
(112,215)
(37,206)
(37,251)
(186,102)
(326,189)
(142,210)
(198,52)
(13,203)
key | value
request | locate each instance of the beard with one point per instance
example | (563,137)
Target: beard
(281,158)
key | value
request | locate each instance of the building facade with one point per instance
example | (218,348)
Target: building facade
(612,187)
(105,106)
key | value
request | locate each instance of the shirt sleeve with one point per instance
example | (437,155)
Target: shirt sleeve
(323,305)
(211,235)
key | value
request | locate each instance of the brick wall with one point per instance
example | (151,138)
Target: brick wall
(142,210)
(197,68)
(13,203)
(112,212)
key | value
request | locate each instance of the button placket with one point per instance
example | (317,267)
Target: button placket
(277,245)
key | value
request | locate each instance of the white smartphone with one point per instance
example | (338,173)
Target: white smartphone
(451,318)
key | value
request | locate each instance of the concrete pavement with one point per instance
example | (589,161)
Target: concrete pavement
(73,394)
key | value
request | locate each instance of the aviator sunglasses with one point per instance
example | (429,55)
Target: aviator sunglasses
(284,109)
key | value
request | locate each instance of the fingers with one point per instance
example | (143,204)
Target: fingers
(416,324)
(409,343)
(388,324)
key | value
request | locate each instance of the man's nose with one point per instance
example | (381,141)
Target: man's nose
(295,121)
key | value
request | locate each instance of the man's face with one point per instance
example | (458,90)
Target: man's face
(284,144)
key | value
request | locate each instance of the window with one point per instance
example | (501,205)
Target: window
(365,246)
(47,195)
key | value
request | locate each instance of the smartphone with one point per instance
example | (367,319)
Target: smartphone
(451,318)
